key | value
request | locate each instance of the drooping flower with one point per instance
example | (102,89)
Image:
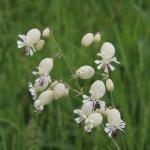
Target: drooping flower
(92,121)
(44,98)
(96,104)
(107,53)
(97,90)
(60,90)
(114,122)
(28,41)
(40,84)
(87,39)
(84,112)
(85,72)
(45,66)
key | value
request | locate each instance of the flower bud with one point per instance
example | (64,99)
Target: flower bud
(113,116)
(93,120)
(42,83)
(39,45)
(107,50)
(97,90)
(109,85)
(44,98)
(46,32)
(33,35)
(46,65)
(85,72)
(97,37)
(87,39)
(87,108)
(60,90)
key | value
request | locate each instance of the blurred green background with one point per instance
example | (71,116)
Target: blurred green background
(125,23)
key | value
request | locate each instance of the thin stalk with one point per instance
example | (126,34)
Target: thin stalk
(65,60)
(116,144)
(112,99)
(123,141)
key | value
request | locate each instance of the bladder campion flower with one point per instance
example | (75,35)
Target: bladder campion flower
(40,84)
(45,66)
(97,37)
(107,53)
(114,122)
(44,98)
(28,41)
(60,90)
(109,85)
(97,90)
(92,121)
(85,72)
(87,39)
(46,33)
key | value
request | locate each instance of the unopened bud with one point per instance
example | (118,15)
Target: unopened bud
(46,32)
(109,85)
(85,72)
(39,45)
(60,90)
(97,37)
(87,40)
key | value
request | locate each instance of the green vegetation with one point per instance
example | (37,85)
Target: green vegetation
(124,23)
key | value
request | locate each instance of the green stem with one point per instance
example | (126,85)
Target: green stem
(123,141)
(67,64)
(116,144)
(112,99)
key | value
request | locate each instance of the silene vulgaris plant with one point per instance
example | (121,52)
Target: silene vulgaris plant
(94,111)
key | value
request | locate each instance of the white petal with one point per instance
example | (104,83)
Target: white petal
(97,62)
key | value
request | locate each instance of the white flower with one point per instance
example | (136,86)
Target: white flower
(39,45)
(81,117)
(60,90)
(107,53)
(93,120)
(34,35)
(96,104)
(97,90)
(32,90)
(40,84)
(28,41)
(46,32)
(45,66)
(114,122)
(109,85)
(44,98)
(85,72)
(111,130)
(97,37)
(29,49)
(87,40)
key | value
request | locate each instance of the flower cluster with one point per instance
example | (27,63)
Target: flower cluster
(32,41)
(43,91)
(94,108)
